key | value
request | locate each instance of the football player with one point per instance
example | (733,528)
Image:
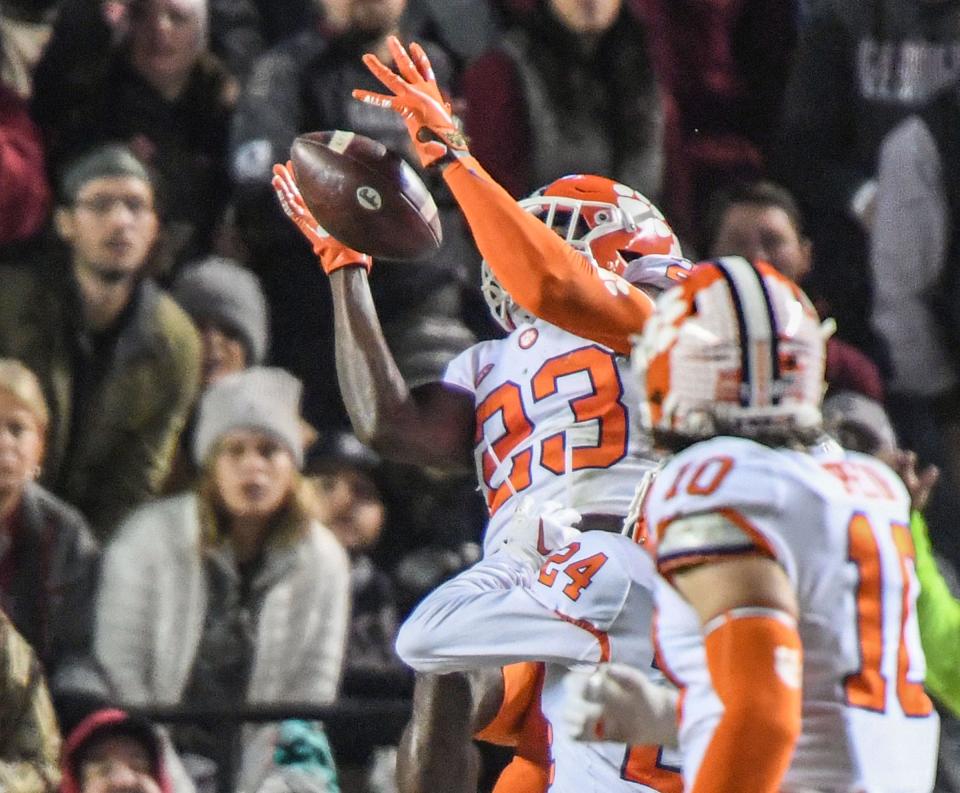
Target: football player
(562,598)
(543,413)
(787,591)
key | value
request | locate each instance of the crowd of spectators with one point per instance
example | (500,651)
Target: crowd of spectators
(184,516)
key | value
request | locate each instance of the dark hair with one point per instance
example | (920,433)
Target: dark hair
(761,193)
(775,437)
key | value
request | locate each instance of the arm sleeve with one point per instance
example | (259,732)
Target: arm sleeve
(908,252)
(124,615)
(488,616)
(319,676)
(24,193)
(136,471)
(939,615)
(755,662)
(539,270)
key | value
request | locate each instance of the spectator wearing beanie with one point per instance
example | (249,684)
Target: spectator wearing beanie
(230,592)
(225,302)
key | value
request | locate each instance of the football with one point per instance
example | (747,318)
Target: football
(366,196)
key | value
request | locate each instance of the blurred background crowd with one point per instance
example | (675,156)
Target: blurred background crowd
(162,324)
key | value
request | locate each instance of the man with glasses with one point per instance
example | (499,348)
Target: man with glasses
(118,360)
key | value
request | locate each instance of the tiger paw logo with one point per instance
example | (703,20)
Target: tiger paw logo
(528,338)
(369,198)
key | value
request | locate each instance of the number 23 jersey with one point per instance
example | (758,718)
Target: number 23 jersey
(837,523)
(554,420)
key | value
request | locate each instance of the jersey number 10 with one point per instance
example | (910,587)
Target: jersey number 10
(867,688)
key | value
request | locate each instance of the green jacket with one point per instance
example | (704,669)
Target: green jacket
(939,616)
(117,452)
(29,738)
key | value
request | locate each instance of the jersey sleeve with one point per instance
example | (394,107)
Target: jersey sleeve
(712,503)
(541,271)
(500,612)
(461,371)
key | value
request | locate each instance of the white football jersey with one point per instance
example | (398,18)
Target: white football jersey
(838,523)
(591,601)
(555,420)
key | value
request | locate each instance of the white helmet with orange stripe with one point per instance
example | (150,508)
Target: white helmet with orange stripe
(608,222)
(736,348)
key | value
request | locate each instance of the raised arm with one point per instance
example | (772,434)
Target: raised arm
(539,270)
(431,427)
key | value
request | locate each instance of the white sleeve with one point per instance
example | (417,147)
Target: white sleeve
(908,249)
(460,372)
(490,615)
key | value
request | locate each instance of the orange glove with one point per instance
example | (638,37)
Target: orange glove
(332,254)
(416,97)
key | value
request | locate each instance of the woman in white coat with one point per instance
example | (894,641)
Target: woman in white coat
(230,593)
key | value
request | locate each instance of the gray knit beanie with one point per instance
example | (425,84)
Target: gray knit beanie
(223,292)
(102,162)
(259,398)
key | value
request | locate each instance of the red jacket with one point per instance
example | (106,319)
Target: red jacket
(24,192)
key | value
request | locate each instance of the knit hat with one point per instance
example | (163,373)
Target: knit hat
(859,423)
(108,160)
(221,291)
(259,398)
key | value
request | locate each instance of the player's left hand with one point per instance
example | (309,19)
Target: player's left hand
(417,98)
(533,533)
(616,702)
(332,253)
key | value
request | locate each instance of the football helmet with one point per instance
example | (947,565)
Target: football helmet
(609,223)
(735,348)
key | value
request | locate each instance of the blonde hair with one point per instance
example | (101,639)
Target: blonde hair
(22,384)
(289,524)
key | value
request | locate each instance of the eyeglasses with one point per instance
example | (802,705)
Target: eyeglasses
(104,204)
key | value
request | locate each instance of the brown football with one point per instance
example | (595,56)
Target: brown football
(365,195)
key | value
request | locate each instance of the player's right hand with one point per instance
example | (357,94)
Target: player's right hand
(417,98)
(616,702)
(332,254)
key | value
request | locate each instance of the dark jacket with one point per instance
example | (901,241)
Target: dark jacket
(50,600)
(87,93)
(112,451)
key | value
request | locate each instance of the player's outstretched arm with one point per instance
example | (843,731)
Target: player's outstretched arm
(754,656)
(539,270)
(432,428)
